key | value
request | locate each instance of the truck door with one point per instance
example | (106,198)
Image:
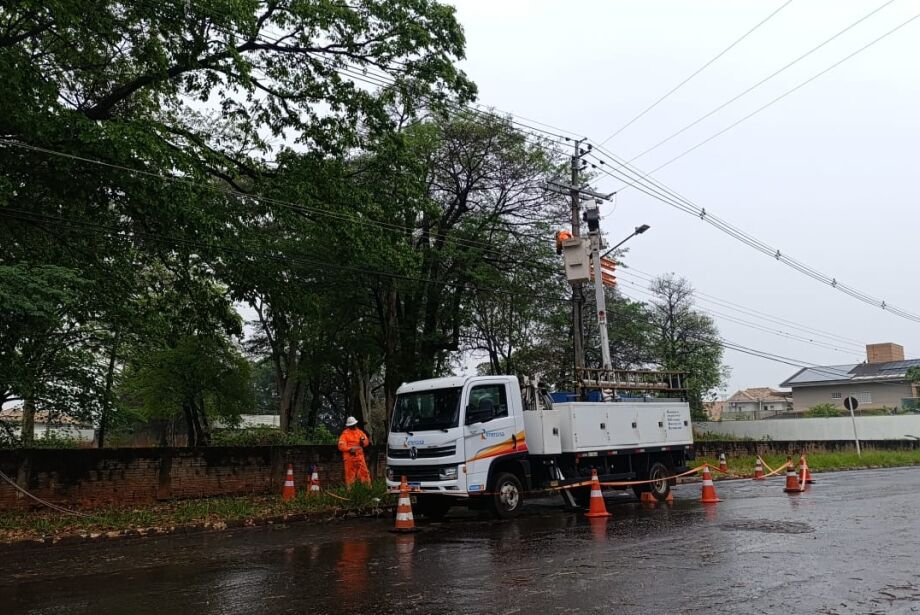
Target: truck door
(489,430)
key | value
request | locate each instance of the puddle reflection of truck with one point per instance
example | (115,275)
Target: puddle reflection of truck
(486,441)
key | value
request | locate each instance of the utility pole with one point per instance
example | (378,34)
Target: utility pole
(578,299)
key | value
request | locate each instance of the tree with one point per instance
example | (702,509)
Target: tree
(201,377)
(686,340)
(192,93)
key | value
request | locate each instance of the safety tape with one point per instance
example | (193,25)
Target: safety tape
(778,470)
(765,464)
(631,483)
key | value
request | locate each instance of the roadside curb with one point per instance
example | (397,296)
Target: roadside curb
(84,538)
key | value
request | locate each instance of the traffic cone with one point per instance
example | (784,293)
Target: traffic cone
(723,464)
(405,522)
(647,498)
(792,479)
(758,470)
(288,493)
(805,476)
(596,507)
(314,481)
(708,495)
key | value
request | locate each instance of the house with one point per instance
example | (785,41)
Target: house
(881,382)
(757,403)
(47,423)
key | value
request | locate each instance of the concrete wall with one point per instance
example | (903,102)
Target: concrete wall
(106,477)
(883,395)
(868,427)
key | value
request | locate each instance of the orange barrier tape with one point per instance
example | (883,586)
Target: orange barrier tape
(778,470)
(630,483)
(765,464)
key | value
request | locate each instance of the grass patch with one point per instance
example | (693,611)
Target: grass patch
(26,525)
(824,461)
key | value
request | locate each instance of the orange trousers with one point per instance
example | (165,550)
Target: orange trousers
(355,469)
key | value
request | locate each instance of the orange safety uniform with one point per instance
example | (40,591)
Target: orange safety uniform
(355,466)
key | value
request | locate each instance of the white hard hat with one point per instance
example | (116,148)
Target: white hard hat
(351,421)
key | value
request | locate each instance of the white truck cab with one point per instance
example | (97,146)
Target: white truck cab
(486,440)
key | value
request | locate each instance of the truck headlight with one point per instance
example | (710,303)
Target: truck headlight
(390,473)
(448,473)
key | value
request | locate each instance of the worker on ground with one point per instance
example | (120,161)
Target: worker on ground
(352,443)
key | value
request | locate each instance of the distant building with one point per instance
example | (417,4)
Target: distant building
(756,403)
(880,382)
(48,423)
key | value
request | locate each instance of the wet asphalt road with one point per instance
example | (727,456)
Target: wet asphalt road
(851,544)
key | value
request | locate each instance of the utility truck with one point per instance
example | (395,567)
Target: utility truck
(486,441)
(489,440)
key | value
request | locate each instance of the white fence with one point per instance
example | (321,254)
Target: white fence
(868,428)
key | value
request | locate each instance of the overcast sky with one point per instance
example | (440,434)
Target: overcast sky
(828,174)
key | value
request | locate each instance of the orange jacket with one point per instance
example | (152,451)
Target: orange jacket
(352,438)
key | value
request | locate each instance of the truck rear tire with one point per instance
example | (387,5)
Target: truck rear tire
(434,507)
(660,489)
(507,496)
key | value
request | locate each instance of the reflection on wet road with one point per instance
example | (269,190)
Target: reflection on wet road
(849,544)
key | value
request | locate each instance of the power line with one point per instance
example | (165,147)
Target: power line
(782,96)
(486,247)
(695,73)
(759,83)
(657,190)
(115,231)
(764,329)
(724,303)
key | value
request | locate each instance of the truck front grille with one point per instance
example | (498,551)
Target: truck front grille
(417,474)
(422,453)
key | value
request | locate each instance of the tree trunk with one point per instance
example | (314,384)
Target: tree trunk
(107,399)
(28,421)
(390,357)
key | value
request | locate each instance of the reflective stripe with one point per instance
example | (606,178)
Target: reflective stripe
(404,516)
(403,501)
(707,482)
(596,493)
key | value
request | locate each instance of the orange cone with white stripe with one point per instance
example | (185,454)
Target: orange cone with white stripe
(758,469)
(314,481)
(597,508)
(723,464)
(804,475)
(792,479)
(288,493)
(405,522)
(708,495)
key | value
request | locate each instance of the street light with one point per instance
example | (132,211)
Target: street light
(639,230)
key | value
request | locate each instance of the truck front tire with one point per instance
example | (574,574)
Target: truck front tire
(507,496)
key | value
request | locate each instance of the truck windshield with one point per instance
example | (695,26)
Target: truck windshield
(427,410)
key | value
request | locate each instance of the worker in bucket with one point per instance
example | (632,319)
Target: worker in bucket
(352,443)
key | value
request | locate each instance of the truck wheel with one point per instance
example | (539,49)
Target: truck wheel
(661,488)
(507,496)
(433,507)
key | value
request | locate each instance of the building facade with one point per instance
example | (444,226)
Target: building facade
(878,384)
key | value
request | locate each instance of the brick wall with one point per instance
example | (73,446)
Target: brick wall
(105,477)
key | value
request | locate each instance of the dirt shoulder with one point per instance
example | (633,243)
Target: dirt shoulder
(49,527)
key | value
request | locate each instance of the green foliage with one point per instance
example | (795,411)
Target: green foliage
(272,436)
(202,377)
(913,374)
(823,410)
